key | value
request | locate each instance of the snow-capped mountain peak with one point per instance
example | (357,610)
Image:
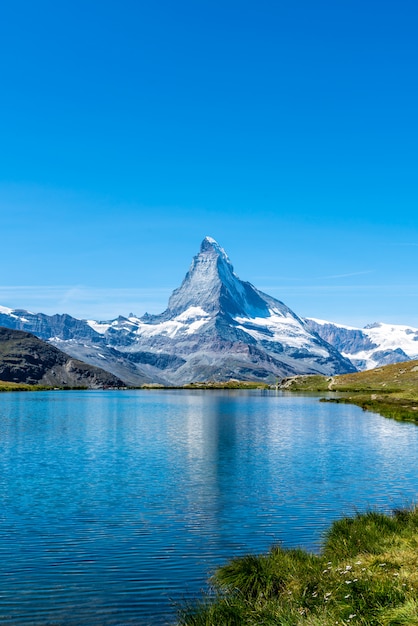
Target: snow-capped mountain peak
(221,327)
(216,327)
(212,246)
(212,284)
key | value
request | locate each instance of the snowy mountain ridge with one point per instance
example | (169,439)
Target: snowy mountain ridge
(222,327)
(372,346)
(218,327)
(215,327)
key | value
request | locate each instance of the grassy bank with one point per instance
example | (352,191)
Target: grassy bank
(6,386)
(366,574)
(391,390)
(231,384)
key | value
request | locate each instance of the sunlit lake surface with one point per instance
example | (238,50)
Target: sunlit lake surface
(115,506)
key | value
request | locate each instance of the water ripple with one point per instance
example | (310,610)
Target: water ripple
(115,505)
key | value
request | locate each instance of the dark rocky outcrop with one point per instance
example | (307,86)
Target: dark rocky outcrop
(25,358)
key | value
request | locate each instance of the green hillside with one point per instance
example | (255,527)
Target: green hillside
(391,390)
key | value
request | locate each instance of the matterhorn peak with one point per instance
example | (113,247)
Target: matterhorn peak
(223,326)
(209,242)
(212,285)
(216,327)
(209,272)
(212,246)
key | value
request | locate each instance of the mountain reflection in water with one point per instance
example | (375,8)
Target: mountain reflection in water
(115,505)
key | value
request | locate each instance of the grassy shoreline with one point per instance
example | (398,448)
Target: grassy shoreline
(391,390)
(8,386)
(367,573)
(231,384)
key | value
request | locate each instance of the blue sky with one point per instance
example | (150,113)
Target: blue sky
(286,130)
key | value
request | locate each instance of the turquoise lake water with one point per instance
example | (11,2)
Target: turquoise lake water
(117,505)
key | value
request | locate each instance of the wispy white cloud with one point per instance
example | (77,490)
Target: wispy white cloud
(347,275)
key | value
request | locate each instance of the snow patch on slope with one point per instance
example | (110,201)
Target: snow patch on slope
(393,336)
(374,345)
(99,327)
(325,323)
(188,322)
(12,313)
(279,328)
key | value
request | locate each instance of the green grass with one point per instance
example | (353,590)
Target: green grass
(391,390)
(394,407)
(8,386)
(366,574)
(231,384)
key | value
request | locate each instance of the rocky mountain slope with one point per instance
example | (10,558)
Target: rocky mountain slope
(26,359)
(216,327)
(76,338)
(373,346)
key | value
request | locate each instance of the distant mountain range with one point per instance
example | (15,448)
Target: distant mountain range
(372,346)
(216,327)
(27,359)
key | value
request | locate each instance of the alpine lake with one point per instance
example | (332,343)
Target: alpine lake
(116,506)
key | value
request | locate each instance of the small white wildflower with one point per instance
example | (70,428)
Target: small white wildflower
(396,574)
(355,580)
(347,596)
(348,582)
(348,567)
(363,569)
(382,564)
(352,615)
(358,562)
